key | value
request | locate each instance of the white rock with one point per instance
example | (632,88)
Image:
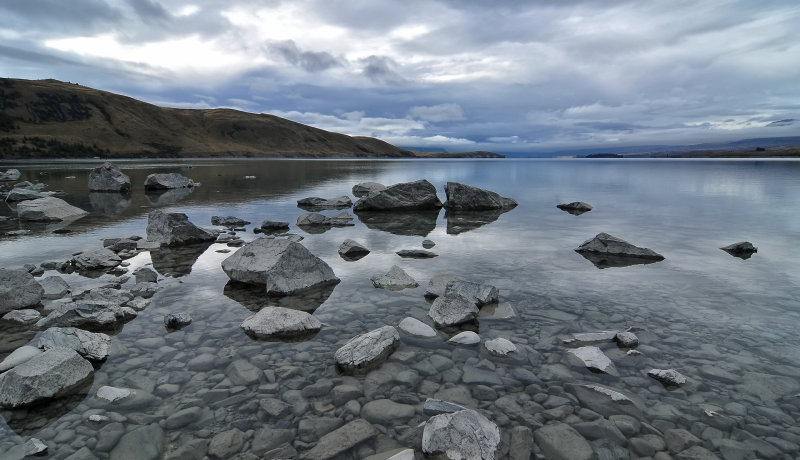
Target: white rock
(19,356)
(465,338)
(413,326)
(594,358)
(500,346)
(113,394)
(464,434)
(49,375)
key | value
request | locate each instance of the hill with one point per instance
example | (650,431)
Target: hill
(54,119)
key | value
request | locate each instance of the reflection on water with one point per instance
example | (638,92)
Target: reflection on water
(464,221)
(254,297)
(609,261)
(165,197)
(409,223)
(177,261)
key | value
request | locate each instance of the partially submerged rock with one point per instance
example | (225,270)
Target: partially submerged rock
(177,320)
(500,346)
(87,314)
(165,181)
(282,266)
(742,250)
(416,254)
(174,229)
(48,209)
(594,359)
(18,194)
(575,208)
(465,338)
(395,279)
(311,219)
(463,434)
(281,323)
(559,441)
(462,197)
(415,327)
(481,294)
(316,203)
(24,316)
(669,377)
(367,350)
(365,188)
(438,284)
(420,194)
(54,373)
(605,250)
(93,346)
(603,400)
(113,394)
(352,250)
(12,174)
(108,178)
(228,221)
(274,226)
(100,259)
(452,309)
(590,338)
(18,289)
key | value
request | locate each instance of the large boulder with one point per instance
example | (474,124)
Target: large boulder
(461,197)
(463,434)
(54,373)
(87,314)
(395,279)
(174,229)
(108,178)
(23,194)
(367,350)
(18,289)
(93,346)
(10,174)
(282,266)
(54,287)
(281,323)
(607,245)
(161,181)
(407,196)
(452,309)
(365,188)
(48,209)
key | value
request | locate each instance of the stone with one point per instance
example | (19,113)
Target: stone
(23,194)
(696,453)
(48,209)
(415,327)
(174,229)
(603,400)
(144,289)
(367,350)
(145,443)
(312,219)
(464,434)
(500,346)
(326,203)
(228,221)
(52,374)
(177,320)
(437,406)
(93,346)
(743,249)
(594,359)
(166,181)
(54,287)
(145,275)
(108,178)
(274,225)
(224,445)
(99,259)
(275,408)
(607,245)
(352,250)
(387,412)
(482,294)
(627,339)
(10,174)
(669,377)
(365,188)
(87,314)
(559,441)
(282,266)
(461,197)
(416,254)
(24,316)
(576,207)
(678,440)
(341,440)
(35,447)
(452,309)
(465,338)
(18,289)
(601,428)
(19,356)
(438,284)
(427,244)
(591,338)
(416,195)
(242,372)
(114,395)
(343,219)
(395,279)
(281,323)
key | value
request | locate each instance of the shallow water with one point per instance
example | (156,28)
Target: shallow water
(729,325)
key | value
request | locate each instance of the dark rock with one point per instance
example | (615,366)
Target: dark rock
(743,250)
(420,194)
(461,197)
(316,203)
(395,279)
(145,275)
(351,250)
(437,406)
(406,223)
(108,178)
(274,226)
(365,188)
(427,244)
(228,221)
(605,250)
(416,254)
(177,320)
(100,259)
(575,208)
(18,194)
(174,229)
(18,289)
(167,181)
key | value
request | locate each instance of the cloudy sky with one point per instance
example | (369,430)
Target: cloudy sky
(507,76)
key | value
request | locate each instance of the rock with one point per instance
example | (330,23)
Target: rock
(114,395)
(224,445)
(601,428)
(743,250)
(99,259)
(166,181)
(49,209)
(461,197)
(228,221)
(145,275)
(13,174)
(669,377)
(395,279)
(282,266)
(452,309)
(177,320)
(591,338)
(174,229)
(594,359)
(120,244)
(416,195)
(576,207)
(241,372)
(343,219)
(352,250)
(91,345)
(341,440)
(607,245)
(427,244)
(416,254)
(367,350)
(415,327)
(18,289)
(313,219)
(465,338)
(108,178)
(627,339)
(54,287)
(438,284)
(18,194)
(54,373)
(365,188)
(144,290)
(274,225)
(500,346)
(559,441)
(90,314)
(325,203)
(19,356)
(387,412)
(463,434)
(35,447)
(183,418)
(145,443)
(437,406)
(605,401)
(481,294)
(24,316)
(281,323)
(678,440)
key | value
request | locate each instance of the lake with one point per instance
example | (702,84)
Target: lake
(730,325)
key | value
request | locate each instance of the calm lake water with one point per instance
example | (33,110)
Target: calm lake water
(731,326)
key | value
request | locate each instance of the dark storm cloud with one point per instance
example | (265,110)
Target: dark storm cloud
(381,69)
(310,61)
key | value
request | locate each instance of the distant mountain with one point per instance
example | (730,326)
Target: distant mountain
(51,119)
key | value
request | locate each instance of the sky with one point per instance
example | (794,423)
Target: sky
(454,75)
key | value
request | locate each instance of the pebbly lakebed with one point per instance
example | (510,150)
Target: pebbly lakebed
(728,324)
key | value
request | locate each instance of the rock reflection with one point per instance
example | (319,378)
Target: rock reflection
(607,261)
(109,203)
(168,197)
(464,221)
(177,261)
(405,223)
(254,297)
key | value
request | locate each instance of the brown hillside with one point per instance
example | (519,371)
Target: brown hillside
(49,118)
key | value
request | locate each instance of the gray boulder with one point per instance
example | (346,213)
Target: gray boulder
(228,221)
(281,323)
(54,373)
(18,289)
(144,443)
(174,229)
(10,174)
(365,188)
(49,209)
(108,178)
(416,195)
(482,294)
(19,356)
(438,284)
(86,314)
(576,207)
(282,266)
(24,316)
(100,259)
(145,275)
(54,287)
(607,245)
(352,250)
(325,203)
(463,434)
(93,346)
(669,377)
(461,197)
(395,279)
(311,219)
(367,350)
(559,441)
(18,194)
(452,309)
(167,181)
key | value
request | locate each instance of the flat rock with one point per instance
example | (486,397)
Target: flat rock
(591,338)
(23,194)
(416,195)
(54,373)
(108,178)
(416,254)
(166,181)
(594,359)
(452,309)
(114,395)
(228,221)
(365,188)
(576,207)
(415,327)
(395,279)
(94,346)
(19,356)
(341,440)
(325,203)
(465,338)
(559,441)
(464,434)
(24,316)
(282,266)
(18,289)
(605,401)
(48,209)
(669,377)
(437,406)
(461,197)
(174,229)
(99,259)
(352,250)
(438,284)
(387,412)
(145,443)
(743,249)
(607,245)
(500,346)
(367,350)
(281,323)
(54,287)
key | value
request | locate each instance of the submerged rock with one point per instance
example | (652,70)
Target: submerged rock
(93,346)
(606,245)
(352,250)
(174,229)
(341,440)
(575,208)
(452,309)
(463,434)
(281,323)
(18,289)
(177,320)
(108,178)
(165,181)
(395,279)
(669,377)
(367,350)
(365,188)
(437,406)
(500,346)
(282,266)
(559,441)
(591,338)
(420,194)
(461,197)
(594,359)
(54,373)
(603,400)
(742,250)
(48,209)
